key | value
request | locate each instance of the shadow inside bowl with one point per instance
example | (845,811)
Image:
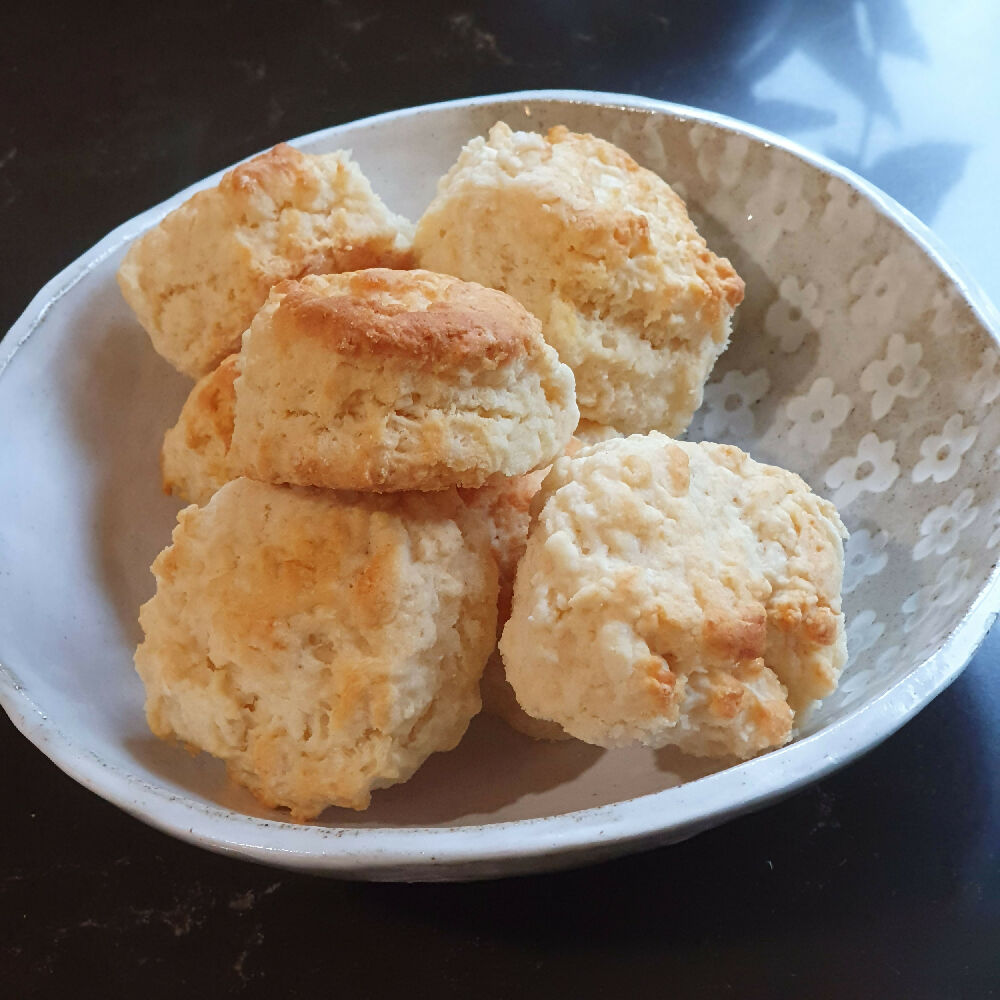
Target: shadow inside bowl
(494,772)
(494,775)
(132,518)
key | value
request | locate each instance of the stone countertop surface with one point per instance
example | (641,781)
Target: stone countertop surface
(880,881)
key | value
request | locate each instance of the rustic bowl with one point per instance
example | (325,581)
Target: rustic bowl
(862,360)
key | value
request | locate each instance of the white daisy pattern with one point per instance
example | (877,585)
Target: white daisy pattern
(943,314)
(871,469)
(984,387)
(730,163)
(729,403)
(940,529)
(932,608)
(941,454)
(863,366)
(816,415)
(878,289)
(698,134)
(720,158)
(897,374)
(847,216)
(646,145)
(860,680)
(855,686)
(864,556)
(777,207)
(863,631)
(723,168)
(794,314)
(887,659)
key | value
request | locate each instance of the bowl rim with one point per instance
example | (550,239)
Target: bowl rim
(535,843)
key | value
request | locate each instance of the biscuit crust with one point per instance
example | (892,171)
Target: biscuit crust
(196,279)
(429,320)
(604,253)
(194,459)
(323,645)
(397,380)
(676,594)
(801,538)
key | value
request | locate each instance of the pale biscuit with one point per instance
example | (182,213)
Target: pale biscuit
(196,279)
(504,505)
(587,432)
(802,554)
(676,594)
(397,380)
(194,459)
(323,645)
(604,253)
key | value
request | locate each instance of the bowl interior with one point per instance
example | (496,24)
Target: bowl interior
(855,362)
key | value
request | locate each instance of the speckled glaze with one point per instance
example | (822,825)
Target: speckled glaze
(861,359)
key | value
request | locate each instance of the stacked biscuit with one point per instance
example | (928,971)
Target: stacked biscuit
(384,478)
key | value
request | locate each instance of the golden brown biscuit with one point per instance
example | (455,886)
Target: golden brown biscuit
(397,380)
(321,644)
(604,253)
(196,279)
(194,460)
(676,593)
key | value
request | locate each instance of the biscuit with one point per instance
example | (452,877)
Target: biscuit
(604,253)
(194,459)
(323,645)
(503,505)
(802,543)
(196,279)
(676,594)
(587,432)
(397,380)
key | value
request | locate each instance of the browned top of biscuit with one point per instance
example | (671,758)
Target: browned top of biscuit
(282,162)
(429,317)
(721,280)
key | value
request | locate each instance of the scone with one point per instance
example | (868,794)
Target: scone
(504,505)
(604,253)
(194,459)
(323,645)
(196,279)
(676,594)
(587,432)
(801,540)
(388,380)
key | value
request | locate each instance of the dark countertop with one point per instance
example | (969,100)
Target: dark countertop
(880,881)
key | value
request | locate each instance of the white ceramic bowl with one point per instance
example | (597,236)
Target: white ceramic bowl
(862,360)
